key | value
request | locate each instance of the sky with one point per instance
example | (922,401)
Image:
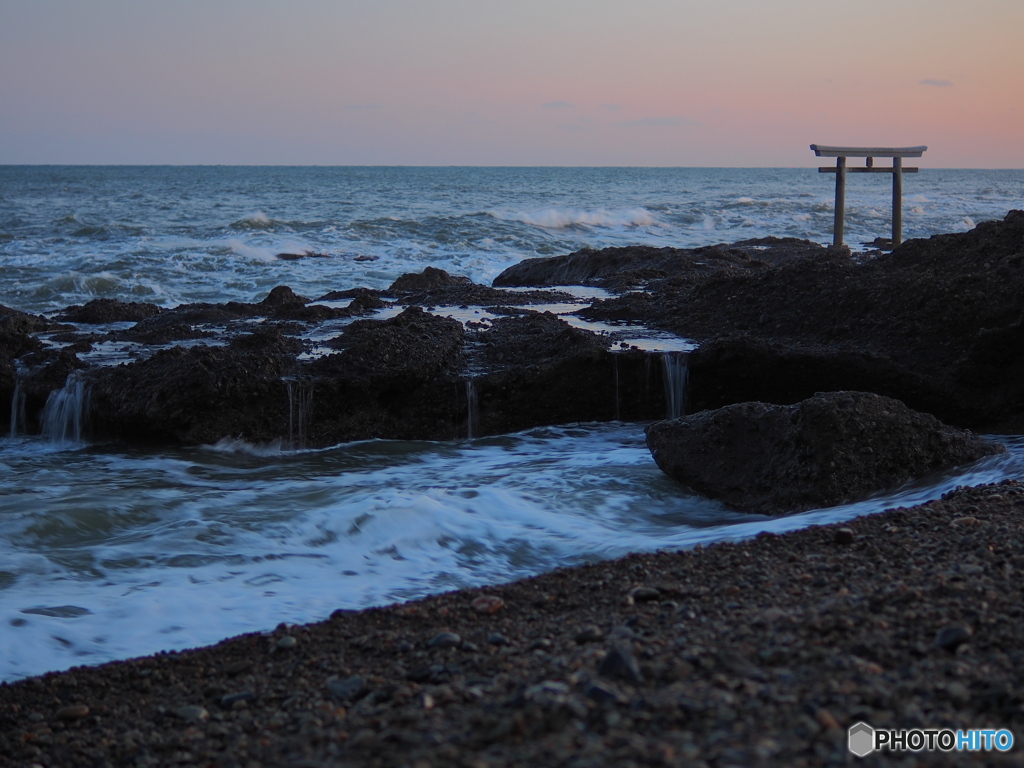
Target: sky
(737,83)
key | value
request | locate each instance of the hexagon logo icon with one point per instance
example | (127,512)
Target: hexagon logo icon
(861,739)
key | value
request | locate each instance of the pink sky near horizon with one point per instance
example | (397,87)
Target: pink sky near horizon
(482,82)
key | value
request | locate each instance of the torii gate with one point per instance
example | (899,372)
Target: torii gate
(897,170)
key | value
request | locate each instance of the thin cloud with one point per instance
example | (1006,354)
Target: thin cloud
(659,122)
(557,105)
(937,83)
(368,105)
(612,107)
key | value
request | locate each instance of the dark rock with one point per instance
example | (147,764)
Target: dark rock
(192,713)
(588,635)
(621,663)
(108,311)
(412,348)
(621,268)
(603,693)
(645,594)
(435,674)
(230,699)
(536,339)
(827,450)
(952,637)
(445,640)
(346,689)
(283,296)
(196,395)
(430,278)
(72,712)
(937,323)
(844,536)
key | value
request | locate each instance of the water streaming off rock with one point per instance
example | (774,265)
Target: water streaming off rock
(66,412)
(675,371)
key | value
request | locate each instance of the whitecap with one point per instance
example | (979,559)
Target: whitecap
(256,220)
(254,252)
(559,218)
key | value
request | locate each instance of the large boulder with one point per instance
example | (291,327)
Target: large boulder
(830,449)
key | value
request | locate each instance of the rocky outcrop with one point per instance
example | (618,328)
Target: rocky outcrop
(535,368)
(830,449)
(413,376)
(627,267)
(937,322)
(108,311)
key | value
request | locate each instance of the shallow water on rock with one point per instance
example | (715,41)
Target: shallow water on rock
(109,552)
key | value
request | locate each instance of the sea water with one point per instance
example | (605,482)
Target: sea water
(109,551)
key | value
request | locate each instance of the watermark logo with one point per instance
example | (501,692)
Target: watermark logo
(863,740)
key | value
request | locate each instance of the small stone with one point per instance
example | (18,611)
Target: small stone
(589,634)
(496,638)
(952,637)
(444,640)
(287,642)
(487,604)
(548,687)
(240,697)
(541,644)
(827,720)
(621,663)
(346,689)
(193,713)
(236,667)
(645,594)
(958,693)
(603,693)
(435,674)
(844,536)
(73,712)
(969,520)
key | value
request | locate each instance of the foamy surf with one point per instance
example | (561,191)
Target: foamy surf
(556,218)
(109,555)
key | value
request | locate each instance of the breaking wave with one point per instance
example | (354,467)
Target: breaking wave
(557,218)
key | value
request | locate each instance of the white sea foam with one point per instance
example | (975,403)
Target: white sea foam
(255,220)
(249,251)
(558,218)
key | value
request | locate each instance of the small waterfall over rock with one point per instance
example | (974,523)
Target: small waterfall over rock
(18,408)
(66,411)
(300,409)
(472,414)
(675,373)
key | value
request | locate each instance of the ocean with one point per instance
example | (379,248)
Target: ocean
(109,551)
